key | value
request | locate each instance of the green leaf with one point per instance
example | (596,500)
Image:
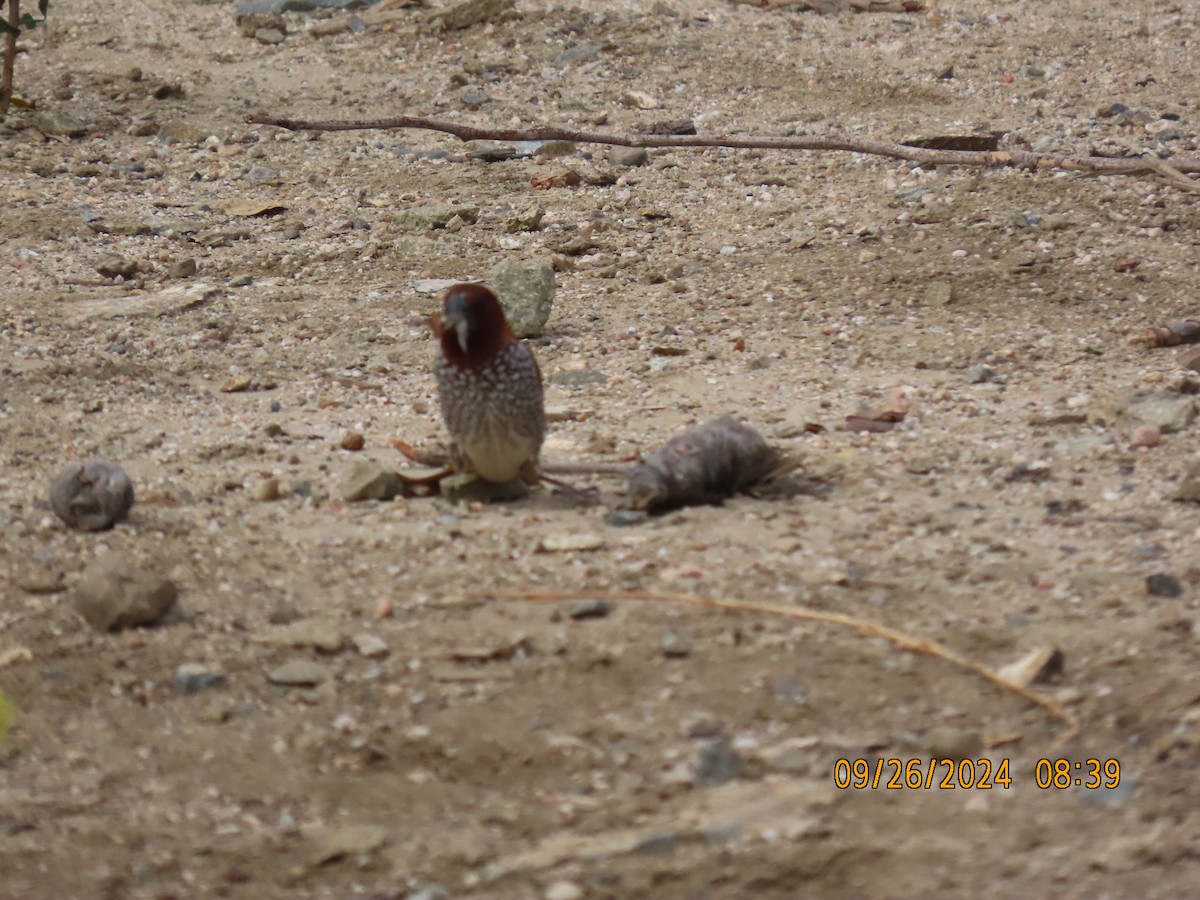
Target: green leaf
(5,28)
(28,21)
(43,5)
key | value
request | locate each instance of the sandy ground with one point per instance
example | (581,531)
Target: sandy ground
(506,749)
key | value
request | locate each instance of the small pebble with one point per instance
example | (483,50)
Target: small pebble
(564,890)
(192,678)
(676,644)
(266,490)
(1164,584)
(183,268)
(370,645)
(299,673)
(591,609)
(980,374)
(1146,436)
(353,440)
(113,265)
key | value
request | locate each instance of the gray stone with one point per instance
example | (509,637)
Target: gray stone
(1189,487)
(113,595)
(552,149)
(56,121)
(431,218)
(472,12)
(321,634)
(1169,411)
(348,841)
(676,644)
(938,293)
(182,268)
(428,892)
(368,481)
(192,678)
(628,156)
(270,35)
(112,265)
(179,132)
(980,374)
(370,645)
(299,673)
(525,288)
(716,763)
(527,219)
(91,496)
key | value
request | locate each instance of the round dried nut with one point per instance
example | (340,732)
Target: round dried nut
(91,496)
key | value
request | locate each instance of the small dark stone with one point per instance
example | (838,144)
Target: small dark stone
(192,678)
(591,609)
(716,763)
(1164,584)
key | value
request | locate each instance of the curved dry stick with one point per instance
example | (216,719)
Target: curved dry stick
(993,158)
(862,626)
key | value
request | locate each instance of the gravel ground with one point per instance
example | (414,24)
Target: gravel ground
(330,711)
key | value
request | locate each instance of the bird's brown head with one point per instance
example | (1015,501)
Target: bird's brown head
(472,327)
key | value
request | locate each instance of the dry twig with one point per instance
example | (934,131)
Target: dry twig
(892,149)
(863,626)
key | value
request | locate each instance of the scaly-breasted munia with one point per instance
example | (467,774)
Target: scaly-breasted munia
(490,388)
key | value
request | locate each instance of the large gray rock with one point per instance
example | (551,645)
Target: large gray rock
(525,288)
(113,595)
(1168,411)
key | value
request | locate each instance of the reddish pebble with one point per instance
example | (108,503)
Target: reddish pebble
(383,608)
(1146,436)
(353,440)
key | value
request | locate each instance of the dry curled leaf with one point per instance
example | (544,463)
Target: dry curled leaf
(705,464)
(1170,335)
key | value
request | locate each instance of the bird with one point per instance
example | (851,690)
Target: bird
(489,388)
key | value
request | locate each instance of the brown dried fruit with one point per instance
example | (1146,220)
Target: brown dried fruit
(1170,335)
(91,496)
(705,464)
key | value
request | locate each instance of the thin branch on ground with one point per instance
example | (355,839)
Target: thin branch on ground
(865,627)
(989,158)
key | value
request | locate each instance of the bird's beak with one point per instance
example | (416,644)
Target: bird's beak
(456,322)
